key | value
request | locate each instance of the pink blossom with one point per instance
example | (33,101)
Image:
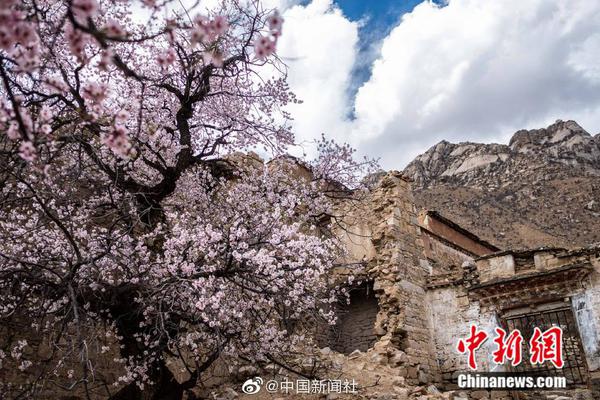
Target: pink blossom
(219,24)
(46,129)
(106,59)
(263,47)
(121,116)
(77,41)
(8,3)
(275,22)
(56,85)
(202,31)
(206,30)
(166,58)
(202,21)
(13,132)
(24,33)
(84,9)
(6,38)
(213,57)
(27,57)
(95,92)
(19,38)
(198,35)
(118,140)
(27,151)
(45,113)
(113,28)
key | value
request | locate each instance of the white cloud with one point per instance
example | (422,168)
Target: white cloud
(319,46)
(584,58)
(472,70)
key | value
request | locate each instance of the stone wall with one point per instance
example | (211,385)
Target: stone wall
(382,235)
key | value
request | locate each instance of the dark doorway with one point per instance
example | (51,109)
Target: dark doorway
(356,321)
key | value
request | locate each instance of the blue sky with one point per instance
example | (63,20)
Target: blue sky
(382,14)
(377,18)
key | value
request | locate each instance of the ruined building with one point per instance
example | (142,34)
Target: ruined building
(424,280)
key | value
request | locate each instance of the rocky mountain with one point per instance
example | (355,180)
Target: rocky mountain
(542,189)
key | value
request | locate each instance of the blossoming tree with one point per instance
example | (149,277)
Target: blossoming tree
(128,227)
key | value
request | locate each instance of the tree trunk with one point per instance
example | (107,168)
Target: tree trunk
(165,387)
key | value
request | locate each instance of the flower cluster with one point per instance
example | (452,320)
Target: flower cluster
(18,37)
(27,151)
(114,29)
(84,9)
(205,30)
(264,46)
(117,139)
(106,59)
(166,57)
(77,41)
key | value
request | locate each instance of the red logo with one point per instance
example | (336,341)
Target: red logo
(508,347)
(543,346)
(546,346)
(472,343)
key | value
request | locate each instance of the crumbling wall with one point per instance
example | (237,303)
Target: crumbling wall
(423,312)
(392,257)
(586,308)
